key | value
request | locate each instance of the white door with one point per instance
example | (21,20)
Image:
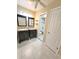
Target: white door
(53,35)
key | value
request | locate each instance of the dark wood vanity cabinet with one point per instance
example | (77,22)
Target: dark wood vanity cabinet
(32,33)
(23,35)
(26,35)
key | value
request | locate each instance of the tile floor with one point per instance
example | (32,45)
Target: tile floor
(34,49)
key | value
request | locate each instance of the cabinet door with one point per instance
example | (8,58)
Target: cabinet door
(21,35)
(53,35)
(26,36)
(33,33)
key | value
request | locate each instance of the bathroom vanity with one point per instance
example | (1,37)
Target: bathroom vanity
(26,35)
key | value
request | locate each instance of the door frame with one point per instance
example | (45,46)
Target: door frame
(45,23)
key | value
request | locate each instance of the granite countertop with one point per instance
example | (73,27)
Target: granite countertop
(25,29)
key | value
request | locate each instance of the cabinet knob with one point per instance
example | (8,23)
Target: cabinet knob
(48,32)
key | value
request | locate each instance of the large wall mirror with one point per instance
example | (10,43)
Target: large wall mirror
(30,22)
(21,20)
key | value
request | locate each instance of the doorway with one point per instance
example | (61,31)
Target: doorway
(41,29)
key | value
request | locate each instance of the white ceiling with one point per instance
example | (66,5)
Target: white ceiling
(31,5)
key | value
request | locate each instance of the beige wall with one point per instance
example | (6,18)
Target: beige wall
(53,4)
(26,10)
(37,14)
